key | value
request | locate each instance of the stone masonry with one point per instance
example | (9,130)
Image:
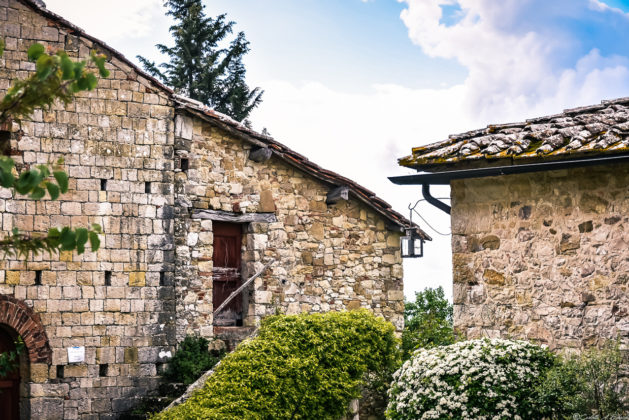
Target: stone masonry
(540,254)
(543,256)
(323,257)
(150,284)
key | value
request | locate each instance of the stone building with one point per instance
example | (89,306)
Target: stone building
(540,226)
(191,204)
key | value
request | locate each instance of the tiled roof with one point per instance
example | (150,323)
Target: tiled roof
(281,151)
(580,132)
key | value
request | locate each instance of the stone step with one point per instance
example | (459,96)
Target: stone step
(232,336)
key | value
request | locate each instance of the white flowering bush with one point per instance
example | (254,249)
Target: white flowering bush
(476,379)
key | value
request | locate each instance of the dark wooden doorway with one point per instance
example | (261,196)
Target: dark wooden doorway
(9,386)
(226,275)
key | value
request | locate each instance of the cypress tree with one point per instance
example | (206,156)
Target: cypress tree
(199,67)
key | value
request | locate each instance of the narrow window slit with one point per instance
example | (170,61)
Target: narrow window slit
(103,184)
(102,370)
(37,277)
(184,165)
(162,278)
(147,187)
(107,278)
(60,371)
(5,143)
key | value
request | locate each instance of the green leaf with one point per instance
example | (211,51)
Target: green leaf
(6,179)
(82,83)
(53,190)
(35,51)
(99,60)
(67,68)
(94,241)
(6,172)
(96,228)
(78,69)
(37,194)
(92,81)
(68,239)
(81,239)
(27,181)
(53,233)
(2,45)
(44,66)
(45,172)
(62,180)
(6,164)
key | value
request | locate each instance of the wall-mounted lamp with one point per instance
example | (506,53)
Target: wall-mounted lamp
(412,244)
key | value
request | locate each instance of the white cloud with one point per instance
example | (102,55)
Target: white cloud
(119,20)
(512,56)
(602,7)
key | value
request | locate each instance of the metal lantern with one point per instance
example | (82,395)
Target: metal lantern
(412,244)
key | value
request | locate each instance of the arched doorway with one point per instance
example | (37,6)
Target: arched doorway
(9,385)
(17,318)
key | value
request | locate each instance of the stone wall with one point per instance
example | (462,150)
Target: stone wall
(324,257)
(543,256)
(114,140)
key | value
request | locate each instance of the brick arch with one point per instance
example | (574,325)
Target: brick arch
(17,315)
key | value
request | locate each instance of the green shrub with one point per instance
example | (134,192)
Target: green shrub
(298,367)
(588,385)
(480,379)
(192,359)
(427,322)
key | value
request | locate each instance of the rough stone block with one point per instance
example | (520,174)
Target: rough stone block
(137,279)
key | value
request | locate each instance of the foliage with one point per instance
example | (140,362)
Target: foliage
(481,379)
(9,361)
(200,67)
(56,77)
(589,384)
(427,322)
(191,360)
(306,366)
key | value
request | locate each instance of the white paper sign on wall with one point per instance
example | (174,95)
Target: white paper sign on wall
(76,354)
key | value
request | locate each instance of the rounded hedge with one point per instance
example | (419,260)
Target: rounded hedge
(480,379)
(297,367)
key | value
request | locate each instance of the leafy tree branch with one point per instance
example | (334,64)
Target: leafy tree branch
(56,77)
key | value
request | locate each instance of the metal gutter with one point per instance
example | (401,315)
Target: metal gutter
(432,200)
(444,178)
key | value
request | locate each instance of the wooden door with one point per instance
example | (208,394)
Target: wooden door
(9,386)
(226,274)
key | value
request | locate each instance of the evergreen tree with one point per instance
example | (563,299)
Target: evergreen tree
(199,67)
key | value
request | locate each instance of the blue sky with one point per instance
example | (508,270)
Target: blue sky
(348,45)
(355,84)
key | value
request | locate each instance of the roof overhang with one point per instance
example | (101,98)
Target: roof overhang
(444,178)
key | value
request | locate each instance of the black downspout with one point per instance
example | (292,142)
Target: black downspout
(432,200)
